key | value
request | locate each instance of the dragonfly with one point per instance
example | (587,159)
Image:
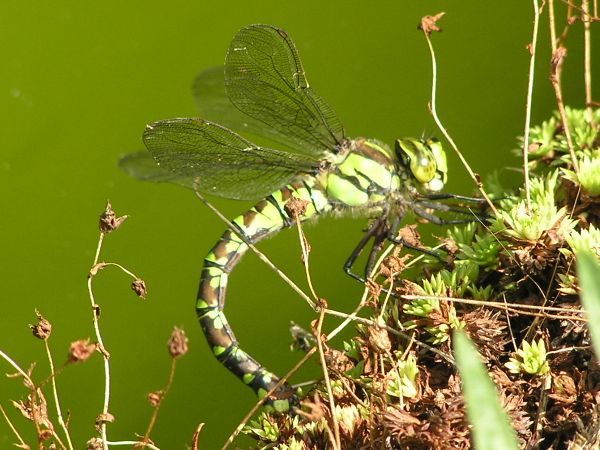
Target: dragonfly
(263,90)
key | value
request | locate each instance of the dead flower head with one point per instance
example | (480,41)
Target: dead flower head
(109,220)
(178,343)
(42,329)
(81,350)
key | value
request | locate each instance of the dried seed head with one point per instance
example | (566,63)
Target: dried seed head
(154,398)
(379,339)
(103,418)
(81,350)
(429,23)
(109,220)
(178,343)
(139,287)
(42,329)
(94,444)
(295,207)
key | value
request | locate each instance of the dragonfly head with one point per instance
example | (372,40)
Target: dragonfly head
(425,160)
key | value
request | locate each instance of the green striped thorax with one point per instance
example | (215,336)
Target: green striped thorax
(366,171)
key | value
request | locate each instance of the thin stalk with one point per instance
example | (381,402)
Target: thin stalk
(433,109)
(105,355)
(157,407)
(530,80)
(55,393)
(259,403)
(336,427)
(22,443)
(587,61)
(136,444)
(305,255)
(258,253)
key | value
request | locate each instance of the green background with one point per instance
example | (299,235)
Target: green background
(79,81)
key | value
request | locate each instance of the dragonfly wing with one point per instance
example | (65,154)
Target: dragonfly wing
(143,166)
(217,161)
(264,78)
(214,104)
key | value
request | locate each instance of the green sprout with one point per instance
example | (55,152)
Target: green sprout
(531,358)
(293,444)
(263,428)
(481,249)
(549,139)
(518,222)
(589,173)
(403,382)
(585,239)
(441,332)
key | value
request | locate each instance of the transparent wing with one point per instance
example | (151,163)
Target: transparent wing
(215,160)
(143,166)
(264,78)
(214,104)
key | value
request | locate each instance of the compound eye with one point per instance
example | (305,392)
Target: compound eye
(418,158)
(423,166)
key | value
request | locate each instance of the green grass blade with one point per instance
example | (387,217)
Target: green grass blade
(491,426)
(588,272)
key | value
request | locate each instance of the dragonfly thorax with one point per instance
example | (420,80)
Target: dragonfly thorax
(363,174)
(366,173)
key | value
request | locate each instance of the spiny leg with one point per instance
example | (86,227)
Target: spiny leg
(376,229)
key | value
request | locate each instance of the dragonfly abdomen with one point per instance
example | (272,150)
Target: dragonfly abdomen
(266,218)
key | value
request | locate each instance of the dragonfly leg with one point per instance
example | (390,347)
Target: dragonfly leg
(443,196)
(377,228)
(436,219)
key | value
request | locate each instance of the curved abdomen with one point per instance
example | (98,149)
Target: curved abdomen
(264,219)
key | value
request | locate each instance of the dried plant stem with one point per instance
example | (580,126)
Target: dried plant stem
(136,444)
(530,80)
(305,255)
(61,421)
(22,443)
(157,407)
(514,307)
(11,361)
(258,253)
(433,109)
(587,61)
(259,403)
(336,427)
(105,355)
(373,323)
(552,23)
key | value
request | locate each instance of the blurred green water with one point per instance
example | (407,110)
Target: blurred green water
(78,83)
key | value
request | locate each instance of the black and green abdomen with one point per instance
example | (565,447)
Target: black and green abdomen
(264,219)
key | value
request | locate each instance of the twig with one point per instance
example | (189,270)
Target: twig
(258,253)
(259,403)
(336,427)
(8,359)
(587,61)
(370,322)
(157,407)
(134,443)
(530,80)
(55,393)
(432,107)
(22,443)
(305,255)
(105,355)
(558,55)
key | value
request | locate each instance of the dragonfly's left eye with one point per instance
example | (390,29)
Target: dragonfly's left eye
(426,161)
